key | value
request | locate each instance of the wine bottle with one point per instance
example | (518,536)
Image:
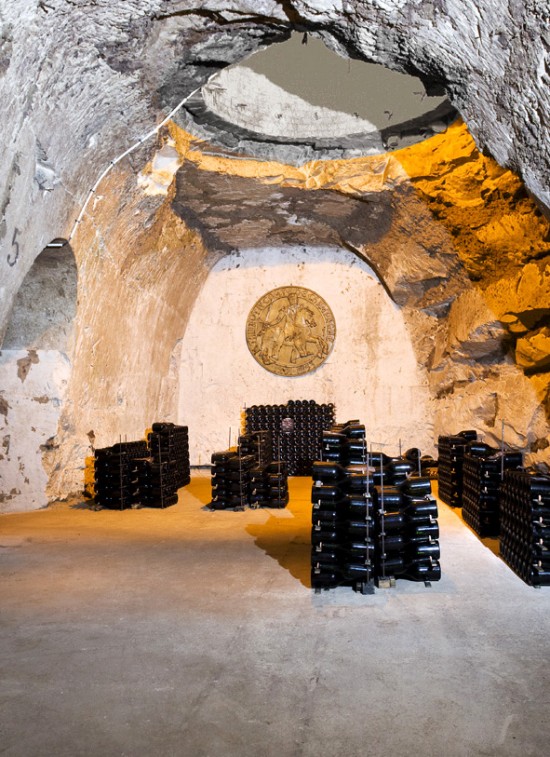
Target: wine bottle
(328,472)
(420,569)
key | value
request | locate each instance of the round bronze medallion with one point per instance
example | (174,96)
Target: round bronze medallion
(290,331)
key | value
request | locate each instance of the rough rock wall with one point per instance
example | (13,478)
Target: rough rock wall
(34,375)
(455,239)
(420,217)
(80,82)
(138,279)
(503,244)
(34,384)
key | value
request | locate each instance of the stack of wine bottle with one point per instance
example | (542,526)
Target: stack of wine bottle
(116,471)
(145,473)
(269,485)
(451,459)
(483,471)
(525,525)
(296,429)
(258,444)
(231,479)
(346,444)
(372,519)
(169,443)
(248,476)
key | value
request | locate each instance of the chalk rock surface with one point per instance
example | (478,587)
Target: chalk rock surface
(449,225)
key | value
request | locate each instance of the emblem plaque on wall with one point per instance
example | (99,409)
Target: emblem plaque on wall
(290,331)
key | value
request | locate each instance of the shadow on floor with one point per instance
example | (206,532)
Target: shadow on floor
(85,505)
(492,543)
(287,540)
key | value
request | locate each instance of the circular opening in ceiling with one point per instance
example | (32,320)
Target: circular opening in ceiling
(298,100)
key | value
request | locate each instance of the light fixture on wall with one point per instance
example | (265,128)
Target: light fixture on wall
(56,243)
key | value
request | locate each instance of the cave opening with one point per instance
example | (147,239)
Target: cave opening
(296,101)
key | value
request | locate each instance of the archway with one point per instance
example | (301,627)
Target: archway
(371,372)
(34,373)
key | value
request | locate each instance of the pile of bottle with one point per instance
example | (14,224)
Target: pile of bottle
(451,459)
(372,518)
(231,479)
(258,444)
(143,473)
(169,443)
(483,472)
(116,481)
(296,430)
(156,484)
(271,488)
(248,476)
(525,525)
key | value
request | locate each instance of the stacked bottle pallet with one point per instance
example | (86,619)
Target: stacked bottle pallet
(295,429)
(335,558)
(219,478)
(146,473)
(407,543)
(371,521)
(451,458)
(483,472)
(231,479)
(525,525)
(257,443)
(276,485)
(247,476)
(116,474)
(342,534)
(157,485)
(169,443)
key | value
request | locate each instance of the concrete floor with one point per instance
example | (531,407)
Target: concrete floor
(192,633)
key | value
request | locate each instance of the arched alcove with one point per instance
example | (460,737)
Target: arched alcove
(34,373)
(44,309)
(371,372)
